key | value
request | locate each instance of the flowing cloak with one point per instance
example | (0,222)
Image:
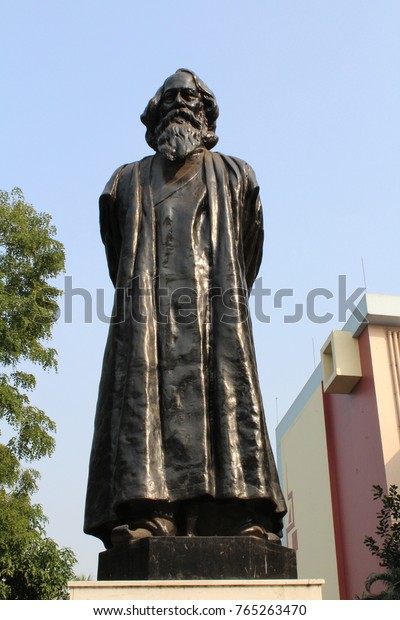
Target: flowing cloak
(148,445)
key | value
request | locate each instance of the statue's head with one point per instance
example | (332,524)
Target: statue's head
(181,116)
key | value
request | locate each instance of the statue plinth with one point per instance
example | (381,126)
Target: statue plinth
(200,557)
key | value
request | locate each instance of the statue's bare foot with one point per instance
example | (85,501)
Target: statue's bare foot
(259,532)
(157,526)
(160,526)
(122,535)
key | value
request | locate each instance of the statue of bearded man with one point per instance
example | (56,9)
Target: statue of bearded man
(180,445)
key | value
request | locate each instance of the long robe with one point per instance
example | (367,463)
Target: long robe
(179,413)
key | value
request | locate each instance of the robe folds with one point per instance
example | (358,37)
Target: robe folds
(179,413)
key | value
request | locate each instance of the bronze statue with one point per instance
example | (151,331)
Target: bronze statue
(180,444)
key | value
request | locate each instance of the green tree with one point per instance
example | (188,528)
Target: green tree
(32,566)
(388,548)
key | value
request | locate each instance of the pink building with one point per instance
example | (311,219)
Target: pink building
(341,436)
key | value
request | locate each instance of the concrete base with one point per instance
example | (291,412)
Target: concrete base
(191,590)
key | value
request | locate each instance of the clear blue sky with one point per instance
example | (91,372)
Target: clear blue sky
(309,95)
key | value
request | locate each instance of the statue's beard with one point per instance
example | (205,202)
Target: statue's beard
(180,133)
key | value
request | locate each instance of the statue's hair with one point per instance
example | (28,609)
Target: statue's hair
(151,116)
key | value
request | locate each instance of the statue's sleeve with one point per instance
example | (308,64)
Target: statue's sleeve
(253,231)
(109,224)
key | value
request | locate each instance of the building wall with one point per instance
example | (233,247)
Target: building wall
(355,463)
(385,386)
(332,448)
(305,477)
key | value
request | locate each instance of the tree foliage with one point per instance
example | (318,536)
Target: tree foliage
(29,256)
(388,548)
(32,566)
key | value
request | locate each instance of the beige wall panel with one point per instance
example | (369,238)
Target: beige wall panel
(306,482)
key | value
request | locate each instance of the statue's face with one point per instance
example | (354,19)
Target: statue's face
(182,118)
(180,91)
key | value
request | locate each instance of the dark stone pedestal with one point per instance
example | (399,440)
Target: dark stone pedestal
(208,557)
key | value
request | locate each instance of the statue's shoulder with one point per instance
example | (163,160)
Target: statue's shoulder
(237,165)
(123,175)
(145,161)
(126,169)
(112,184)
